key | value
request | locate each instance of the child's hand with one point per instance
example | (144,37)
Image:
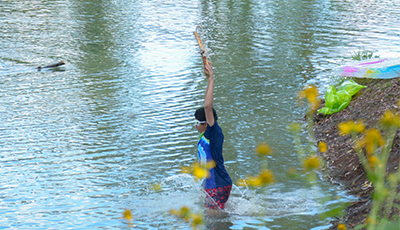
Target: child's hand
(208,70)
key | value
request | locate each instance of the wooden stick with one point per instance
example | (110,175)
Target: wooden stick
(201,47)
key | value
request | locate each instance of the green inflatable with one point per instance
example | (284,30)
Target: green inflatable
(337,100)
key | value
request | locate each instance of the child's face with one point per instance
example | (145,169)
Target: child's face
(201,127)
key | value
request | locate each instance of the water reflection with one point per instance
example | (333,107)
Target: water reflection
(98,85)
(96,31)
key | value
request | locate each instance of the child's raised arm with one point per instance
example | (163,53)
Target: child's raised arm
(209,96)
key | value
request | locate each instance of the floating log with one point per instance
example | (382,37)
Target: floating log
(52,66)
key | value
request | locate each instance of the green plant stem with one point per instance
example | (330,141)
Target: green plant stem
(299,147)
(392,184)
(379,197)
(391,133)
(264,162)
(310,125)
(390,200)
(368,170)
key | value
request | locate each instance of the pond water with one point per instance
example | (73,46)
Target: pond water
(83,142)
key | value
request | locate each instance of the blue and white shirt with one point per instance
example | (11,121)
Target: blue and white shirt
(210,147)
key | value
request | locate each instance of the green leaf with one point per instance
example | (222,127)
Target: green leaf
(334,212)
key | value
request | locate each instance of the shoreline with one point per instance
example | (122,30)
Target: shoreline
(342,164)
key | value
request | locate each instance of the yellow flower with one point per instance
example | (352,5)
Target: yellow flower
(183,213)
(186,214)
(174,212)
(128,215)
(263,149)
(200,172)
(344,128)
(359,126)
(390,119)
(266,176)
(373,161)
(348,127)
(311,94)
(196,220)
(254,181)
(341,227)
(322,147)
(263,178)
(311,162)
(373,140)
(210,165)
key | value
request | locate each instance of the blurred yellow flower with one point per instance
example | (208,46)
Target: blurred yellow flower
(200,172)
(128,215)
(183,213)
(311,162)
(174,212)
(390,119)
(359,126)
(322,147)
(186,214)
(374,135)
(373,161)
(210,165)
(263,149)
(348,127)
(341,227)
(196,220)
(344,128)
(372,140)
(254,181)
(266,176)
(310,93)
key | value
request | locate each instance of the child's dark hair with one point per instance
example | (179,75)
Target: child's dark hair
(200,114)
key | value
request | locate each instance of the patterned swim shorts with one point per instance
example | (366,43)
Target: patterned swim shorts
(217,196)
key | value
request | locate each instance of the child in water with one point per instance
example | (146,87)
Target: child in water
(219,184)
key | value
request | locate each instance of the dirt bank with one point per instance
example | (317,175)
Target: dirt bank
(342,163)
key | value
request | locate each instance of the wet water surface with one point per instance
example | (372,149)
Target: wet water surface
(83,142)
